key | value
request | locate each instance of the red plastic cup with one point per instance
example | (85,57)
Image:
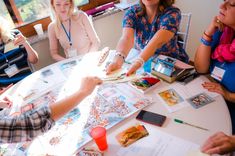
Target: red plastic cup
(99,135)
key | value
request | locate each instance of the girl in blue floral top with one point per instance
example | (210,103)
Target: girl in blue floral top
(150,27)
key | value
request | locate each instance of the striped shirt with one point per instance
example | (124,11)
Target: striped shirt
(26,126)
(16,56)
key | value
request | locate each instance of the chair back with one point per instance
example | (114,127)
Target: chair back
(184,29)
(31,66)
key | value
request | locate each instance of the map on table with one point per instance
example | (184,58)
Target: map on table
(107,106)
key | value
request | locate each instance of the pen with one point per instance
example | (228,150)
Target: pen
(182,122)
(43,80)
(127,62)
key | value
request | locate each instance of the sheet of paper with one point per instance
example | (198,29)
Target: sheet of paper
(184,92)
(173,98)
(158,143)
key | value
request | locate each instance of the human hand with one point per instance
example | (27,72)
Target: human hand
(5,103)
(219,143)
(19,40)
(88,84)
(134,66)
(214,25)
(2,90)
(115,65)
(216,87)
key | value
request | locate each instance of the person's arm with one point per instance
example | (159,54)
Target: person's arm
(218,88)
(62,107)
(203,53)
(124,46)
(168,27)
(5,103)
(3,89)
(160,38)
(126,42)
(219,143)
(54,51)
(95,41)
(32,54)
(31,124)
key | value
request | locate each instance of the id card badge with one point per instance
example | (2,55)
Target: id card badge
(72,52)
(11,70)
(218,73)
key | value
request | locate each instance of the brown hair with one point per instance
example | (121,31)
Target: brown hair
(163,4)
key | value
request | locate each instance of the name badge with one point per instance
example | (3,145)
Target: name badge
(218,73)
(11,70)
(72,52)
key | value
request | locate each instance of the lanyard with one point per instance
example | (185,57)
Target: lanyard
(68,34)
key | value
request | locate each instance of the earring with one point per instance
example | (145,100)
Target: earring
(161,8)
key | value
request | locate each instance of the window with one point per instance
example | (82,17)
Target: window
(27,11)
(81,2)
(5,14)
(31,10)
(24,14)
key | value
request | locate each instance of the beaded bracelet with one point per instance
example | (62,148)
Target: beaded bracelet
(205,42)
(209,36)
(140,60)
(119,54)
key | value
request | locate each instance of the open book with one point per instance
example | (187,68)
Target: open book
(170,69)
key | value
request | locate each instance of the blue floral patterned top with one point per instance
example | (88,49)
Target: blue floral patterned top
(144,31)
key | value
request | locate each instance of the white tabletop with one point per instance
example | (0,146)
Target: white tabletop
(214,116)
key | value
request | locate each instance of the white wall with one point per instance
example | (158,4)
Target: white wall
(42,48)
(109,29)
(202,13)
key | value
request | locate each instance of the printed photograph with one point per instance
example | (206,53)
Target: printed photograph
(171,97)
(200,100)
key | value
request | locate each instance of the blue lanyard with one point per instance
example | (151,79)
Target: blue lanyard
(68,34)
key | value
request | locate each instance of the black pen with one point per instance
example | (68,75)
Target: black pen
(43,80)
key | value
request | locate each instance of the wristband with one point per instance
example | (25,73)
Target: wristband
(205,42)
(140,60)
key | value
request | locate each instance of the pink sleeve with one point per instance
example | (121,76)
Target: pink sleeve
(52,37)
(95,41)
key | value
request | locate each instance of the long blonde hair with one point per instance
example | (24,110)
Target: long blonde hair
(72,14)
(163,4)
(5,32)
